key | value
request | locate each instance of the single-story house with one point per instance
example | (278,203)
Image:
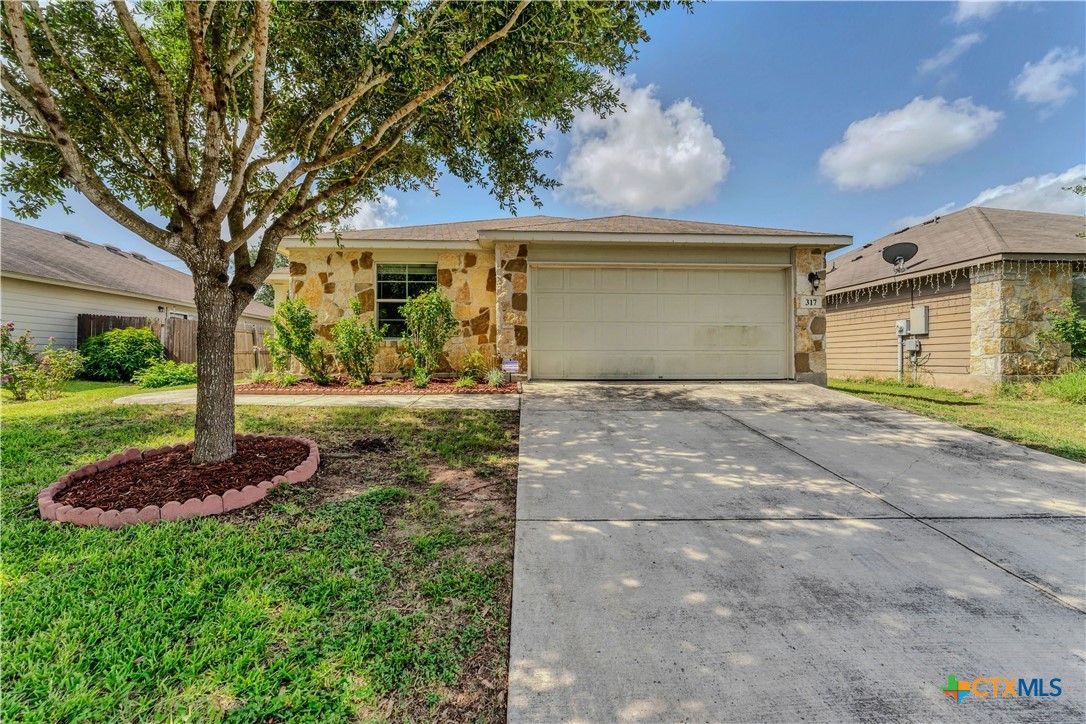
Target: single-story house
(620,297)
(48,279)
(984,276)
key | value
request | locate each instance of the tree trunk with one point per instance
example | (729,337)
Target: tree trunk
(216,321)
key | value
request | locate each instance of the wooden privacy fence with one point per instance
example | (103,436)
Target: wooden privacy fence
(178,336)
(92,325)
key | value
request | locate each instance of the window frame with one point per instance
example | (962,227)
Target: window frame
(406,281)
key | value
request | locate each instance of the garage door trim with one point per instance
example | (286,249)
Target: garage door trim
(790,325)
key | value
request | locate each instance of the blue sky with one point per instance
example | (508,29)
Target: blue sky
(854,118)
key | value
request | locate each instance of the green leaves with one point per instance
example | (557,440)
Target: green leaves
(357,341)
(430,324)
(295,336)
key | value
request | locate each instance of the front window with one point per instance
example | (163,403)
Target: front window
(396,283)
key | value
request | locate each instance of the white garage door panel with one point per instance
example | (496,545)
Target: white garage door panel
(657,323)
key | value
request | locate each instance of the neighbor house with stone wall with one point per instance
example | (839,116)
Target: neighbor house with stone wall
(985,276)
(618,297)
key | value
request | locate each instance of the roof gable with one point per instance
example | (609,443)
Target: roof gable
(960,239)
(66,258)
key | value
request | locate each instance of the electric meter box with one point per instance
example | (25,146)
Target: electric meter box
(902,327)
(918,319)
(912,345)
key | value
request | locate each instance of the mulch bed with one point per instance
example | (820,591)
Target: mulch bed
(340,386)
(173,476)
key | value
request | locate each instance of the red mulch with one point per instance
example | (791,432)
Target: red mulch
(340,386)
(173,476)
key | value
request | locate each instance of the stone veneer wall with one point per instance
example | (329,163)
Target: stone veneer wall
(1006,311)
(810,341)
(511,301)
(327,279)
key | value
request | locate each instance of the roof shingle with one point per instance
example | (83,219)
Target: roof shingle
(35,252)
(960,239)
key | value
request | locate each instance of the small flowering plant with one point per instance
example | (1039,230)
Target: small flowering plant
(25,370)
(1067,325)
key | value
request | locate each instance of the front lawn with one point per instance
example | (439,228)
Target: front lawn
(378,590)
(1044,423)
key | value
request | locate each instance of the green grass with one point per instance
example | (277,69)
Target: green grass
(363,609)
(1024,415)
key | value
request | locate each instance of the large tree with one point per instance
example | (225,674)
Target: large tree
(244,122)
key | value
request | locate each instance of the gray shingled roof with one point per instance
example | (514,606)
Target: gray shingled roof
(961,239)
(469,230)
(457,231)
(651,225)
(35,252)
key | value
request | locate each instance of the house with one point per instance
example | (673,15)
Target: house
(620,297)
(984,277)
(48,279)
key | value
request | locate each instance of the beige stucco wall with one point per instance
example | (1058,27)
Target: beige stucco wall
(327,279)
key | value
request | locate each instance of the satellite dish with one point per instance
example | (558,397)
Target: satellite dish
(898,254)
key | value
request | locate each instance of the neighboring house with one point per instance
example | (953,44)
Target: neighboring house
(48,279)
(619,297)
(985,276)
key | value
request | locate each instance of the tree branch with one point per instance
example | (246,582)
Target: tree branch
(163,89)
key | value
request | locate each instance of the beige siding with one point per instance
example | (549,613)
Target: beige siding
(860,338)
(50,310)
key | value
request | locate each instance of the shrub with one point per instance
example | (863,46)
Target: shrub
(421,377)
(116,355)
(357,342)
(495,377)
(430,323)
(286,378)
(1067,325)
(166,373)
(465,381)
(17,358)
(295,337)
(54,367)
(475,366)
(257,375)
(1069,387)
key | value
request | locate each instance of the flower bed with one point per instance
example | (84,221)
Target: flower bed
(342,387)
(164,484)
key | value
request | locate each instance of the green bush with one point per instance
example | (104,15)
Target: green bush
(54,368)
(1066,324)
(475,366)
(296,337)
(357,341)
(116,355)
(166,373)
(17,358)
(430,323)
(1069,387)
(495,377)
(421,377)
(465,381)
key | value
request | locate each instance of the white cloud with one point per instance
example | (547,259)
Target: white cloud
(1046,81)
(645,158)
(891,147)
(1033,193)
(374,214)
(980,10)
(946,57)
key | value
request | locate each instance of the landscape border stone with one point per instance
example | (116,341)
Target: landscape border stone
(213,504)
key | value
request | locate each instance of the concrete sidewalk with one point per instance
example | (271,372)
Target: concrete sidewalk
(781,552)
(424,402)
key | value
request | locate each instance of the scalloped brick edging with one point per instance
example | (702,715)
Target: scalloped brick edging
(175,509)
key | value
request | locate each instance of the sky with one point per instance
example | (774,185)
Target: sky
(856,118)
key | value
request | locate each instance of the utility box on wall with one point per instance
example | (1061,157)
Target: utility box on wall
(918,319)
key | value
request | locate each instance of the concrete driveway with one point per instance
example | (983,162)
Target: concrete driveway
(781,552)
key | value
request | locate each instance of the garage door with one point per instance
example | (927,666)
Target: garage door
(658,323)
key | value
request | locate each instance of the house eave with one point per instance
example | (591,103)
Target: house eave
(383,244)
(963,264)
(487,238)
